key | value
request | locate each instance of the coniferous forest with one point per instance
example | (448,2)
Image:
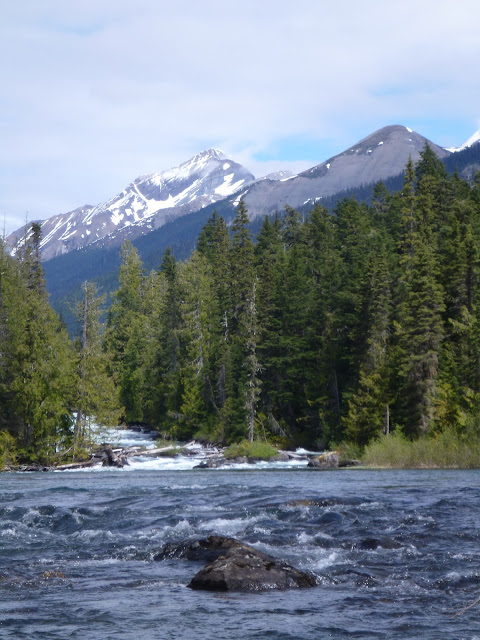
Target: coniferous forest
(326,329)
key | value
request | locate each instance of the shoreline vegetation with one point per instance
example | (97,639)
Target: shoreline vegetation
(446,451)
(356,331)
(388,452)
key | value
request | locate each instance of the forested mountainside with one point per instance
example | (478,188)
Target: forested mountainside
(65,273)
(329,328)
(334,327)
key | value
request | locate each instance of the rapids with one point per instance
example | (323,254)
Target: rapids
(397,553)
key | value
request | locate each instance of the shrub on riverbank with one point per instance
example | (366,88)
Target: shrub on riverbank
(256,449)
(445,451)
(8,450)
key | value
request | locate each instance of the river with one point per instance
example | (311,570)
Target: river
(397,553)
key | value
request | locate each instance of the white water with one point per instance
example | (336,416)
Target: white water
(127,438)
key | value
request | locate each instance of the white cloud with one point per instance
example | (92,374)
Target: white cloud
(95,93)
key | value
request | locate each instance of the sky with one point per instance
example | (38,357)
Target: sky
(94,93)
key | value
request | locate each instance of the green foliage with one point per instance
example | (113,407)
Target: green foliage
(44,379)
(255,450)
(8,450)
(95,392)
(331,328)
(446,450)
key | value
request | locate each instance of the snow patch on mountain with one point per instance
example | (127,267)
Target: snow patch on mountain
(147,203)
(469,143)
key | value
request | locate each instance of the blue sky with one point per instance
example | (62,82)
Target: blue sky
(95,93)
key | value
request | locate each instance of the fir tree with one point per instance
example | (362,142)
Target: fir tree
(369,408)
(125,337)
(96,394)
(420,335)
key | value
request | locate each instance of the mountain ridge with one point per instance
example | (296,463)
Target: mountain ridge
(145,204)
(153,200)
(66,272)
(380,155)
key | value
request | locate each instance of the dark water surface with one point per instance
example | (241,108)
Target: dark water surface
(397,554)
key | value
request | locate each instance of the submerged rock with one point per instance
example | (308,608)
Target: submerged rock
(205,550)
(50,575)
(330,517)
(371,544)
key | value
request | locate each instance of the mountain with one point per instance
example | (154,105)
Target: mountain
(146,204)
(474,139)
(152,201)
(379,156)
(465,159)
(169,208)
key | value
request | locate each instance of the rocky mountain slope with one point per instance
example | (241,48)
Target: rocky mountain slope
(154,202)
(146,204)
(377,157)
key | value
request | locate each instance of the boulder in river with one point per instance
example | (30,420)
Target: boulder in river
(210,463)
(240,567)
(331,460)
(113,458)
(247,571)
(204,550)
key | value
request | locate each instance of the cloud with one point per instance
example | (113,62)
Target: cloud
(95,93)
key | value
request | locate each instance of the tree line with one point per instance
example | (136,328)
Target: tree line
(50,386)
(325,329)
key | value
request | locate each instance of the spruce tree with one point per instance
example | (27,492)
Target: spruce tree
(369,407)
(420,332)
(125,336)
(96,394)
(242,334)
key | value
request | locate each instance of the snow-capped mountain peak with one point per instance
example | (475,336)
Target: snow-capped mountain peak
(147,203)
(468,143)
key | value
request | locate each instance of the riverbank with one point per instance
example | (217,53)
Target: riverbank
(445,451)
(138,448)
(193,455)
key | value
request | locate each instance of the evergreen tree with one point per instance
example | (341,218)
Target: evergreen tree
(324,267)
(196,335)
(369,408)
(40,369)
(125,337)
(420,334)
(96,394)
(430,165)
(242,334)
